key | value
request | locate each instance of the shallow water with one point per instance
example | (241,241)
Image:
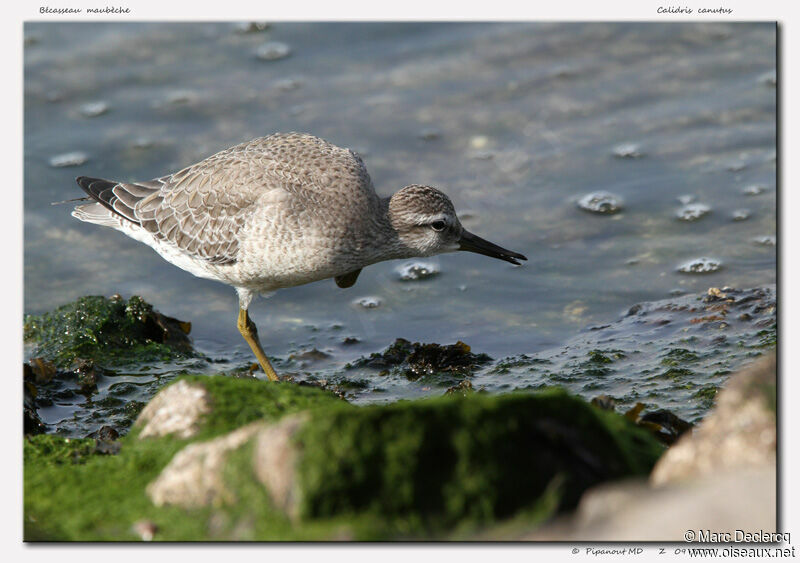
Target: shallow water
(516,122)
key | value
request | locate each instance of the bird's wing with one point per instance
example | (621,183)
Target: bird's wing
(202,208)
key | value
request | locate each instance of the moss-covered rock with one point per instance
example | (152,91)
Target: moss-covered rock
(74,492)
(450,459)
(107,331)
(411,469)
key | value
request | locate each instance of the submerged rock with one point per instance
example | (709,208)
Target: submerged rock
(75,158)
(273,51)
(721,477)
(251,27)
(417,270)
(94,109)
(702,265)
(602,203)
(628,150)
(669,354)
(693,212)
(754,189)
(740,215)
(415,360)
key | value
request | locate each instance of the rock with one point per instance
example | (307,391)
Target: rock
(145,529)
(94,109)
(417,360)
(627,150)
(702,265)
(417,270)
(602,203)
(107,332)
(194,476)
(450,458)
(273,51)
(739,433)
(177,410)
(275,460)
(75,158)
(635,512)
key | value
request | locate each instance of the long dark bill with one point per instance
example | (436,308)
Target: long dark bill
(474,243)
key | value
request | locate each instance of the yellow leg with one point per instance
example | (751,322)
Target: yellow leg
(250,334)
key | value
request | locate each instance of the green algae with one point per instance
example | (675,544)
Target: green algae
(237,401)
(678,356)
(706,395)
(450,459)
(106,331)
(73,493)
(414,469)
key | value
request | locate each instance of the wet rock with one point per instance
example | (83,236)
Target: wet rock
(94,109)
(740,215)
(430,134)
(767,240)
(64,160)
(180,97)
(701,265)
(251,27)
(415,360)
(31,423)
(288,84)
(105,434)
(482,155)
(769,78)
(107,332)
(666,426)
(693,212)
(602,203)
(417,270)
(273,51)
(661,353)
(41,371)
(176,410)
(368,302)
(604,402)
(464,388)
(627,150)
(754,189)
(308,357)
(739,433)
(143,143)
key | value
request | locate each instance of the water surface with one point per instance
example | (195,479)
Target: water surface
(515,121)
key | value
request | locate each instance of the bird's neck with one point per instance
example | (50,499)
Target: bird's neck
(384,242)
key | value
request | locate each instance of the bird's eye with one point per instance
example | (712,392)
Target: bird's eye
(438,225)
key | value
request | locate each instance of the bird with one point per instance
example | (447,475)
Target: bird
(275,212)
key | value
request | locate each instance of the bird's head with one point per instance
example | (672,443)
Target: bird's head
(426,224)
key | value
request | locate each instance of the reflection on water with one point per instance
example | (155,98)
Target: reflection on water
(516,122)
